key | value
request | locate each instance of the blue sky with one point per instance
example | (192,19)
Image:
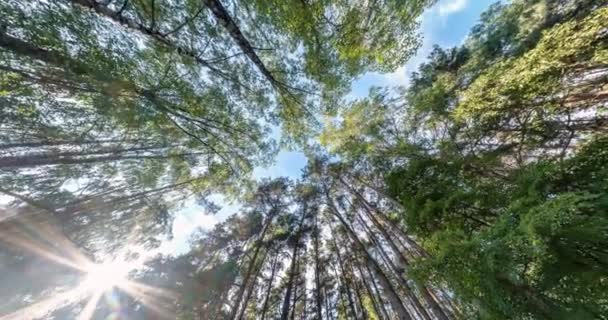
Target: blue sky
(446,24)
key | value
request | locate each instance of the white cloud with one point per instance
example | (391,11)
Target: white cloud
(448,7)
(188,220)
(399,77)
(186,224)
(183,227)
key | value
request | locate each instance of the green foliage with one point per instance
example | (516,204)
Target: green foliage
(485,180)
(564,49)
(149,103)
(544,254)
(496,161)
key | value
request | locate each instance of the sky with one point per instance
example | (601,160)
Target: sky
(446,24)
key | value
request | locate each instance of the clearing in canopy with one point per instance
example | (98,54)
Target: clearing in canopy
(136,137)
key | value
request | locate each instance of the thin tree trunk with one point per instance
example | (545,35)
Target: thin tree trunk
(327,308)
(394,299)
(377,292)
(223,18)
(380,192)
(59,159)
(384,219)
(147,31)
(252,286)
(304,313)
(419,308)
(340,291)
(369,291)
(294,255)
(287,298)
(250,268)
(402,260)
(318,297)
(295,289)
(356,286)
(269,288)
(349,294)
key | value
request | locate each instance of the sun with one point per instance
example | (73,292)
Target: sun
(105,276)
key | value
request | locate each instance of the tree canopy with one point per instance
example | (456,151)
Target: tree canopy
(478,191)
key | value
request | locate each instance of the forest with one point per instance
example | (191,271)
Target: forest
(478,190)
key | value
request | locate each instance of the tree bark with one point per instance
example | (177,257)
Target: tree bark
(252,285)
(295,289)
(159,37)
(59,159)
(356,286)
(394,299)
(269,288)
(398,272)
(318,296)
(250,268)
(377,292)
(402,260)
(369,291)
(225,20)
(349,294)
(292,271)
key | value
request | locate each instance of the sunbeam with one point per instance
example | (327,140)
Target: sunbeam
(44,240)
(105,276)
(89,309)
(39,309)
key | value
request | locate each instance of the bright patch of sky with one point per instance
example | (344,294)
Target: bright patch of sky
(446,24)
(449,7)
(288,164)
(191,218)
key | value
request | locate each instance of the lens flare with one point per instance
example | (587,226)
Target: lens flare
(45,239)
(105,276)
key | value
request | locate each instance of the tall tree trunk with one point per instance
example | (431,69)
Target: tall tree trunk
(369,291)
(21,47)
(340,291)
(275,262)
(223,18)
(377,292)
(294,260)
(327,308)
(250,267)
(349,294)
(381,193)
(295,288)
(391,293)
(58,159)
(383,217)
(398,272)
(252,285)
(403,263)
(292,271)
(318,296)
(50,143)
(357,288)
(304,313)
(159,37)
